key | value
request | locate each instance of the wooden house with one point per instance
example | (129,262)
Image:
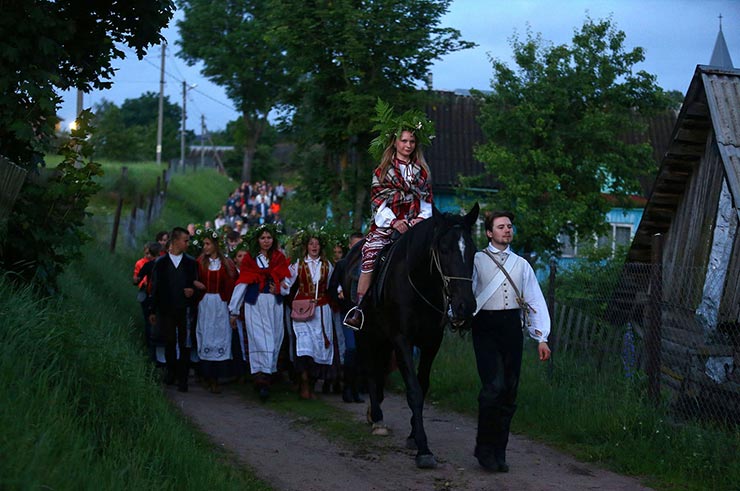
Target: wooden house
(689,232)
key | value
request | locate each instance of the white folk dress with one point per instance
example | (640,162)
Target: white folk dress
(314,337)
(213,330)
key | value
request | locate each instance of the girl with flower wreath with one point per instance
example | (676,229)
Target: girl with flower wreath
(213,331)
(240,346)
(401,190)
(314,337)
(261,273)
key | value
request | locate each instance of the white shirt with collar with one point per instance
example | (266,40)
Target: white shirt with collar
(175,258)
(504,296)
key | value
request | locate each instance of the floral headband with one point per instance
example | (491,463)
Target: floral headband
(389,128)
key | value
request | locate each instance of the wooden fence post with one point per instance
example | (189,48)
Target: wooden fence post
(116,222)
(653,334)
(149,207)
(553,338)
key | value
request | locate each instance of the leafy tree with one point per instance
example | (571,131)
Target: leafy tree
(343,55)
(130,132)
(53,46)
(230,39)
(675,99)
(264,165)
(553,128)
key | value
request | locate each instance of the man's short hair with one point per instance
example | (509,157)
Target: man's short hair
(177,232)
(154,248)
(490,217)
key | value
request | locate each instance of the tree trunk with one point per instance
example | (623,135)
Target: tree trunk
(361,197)
(252,134)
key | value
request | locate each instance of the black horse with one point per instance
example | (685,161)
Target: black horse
(428,283)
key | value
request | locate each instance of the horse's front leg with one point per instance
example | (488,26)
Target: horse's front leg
(377,361)
(415,399)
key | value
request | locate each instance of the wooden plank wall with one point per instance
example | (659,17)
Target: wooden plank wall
(689,240)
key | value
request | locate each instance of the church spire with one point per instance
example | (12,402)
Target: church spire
(720,54)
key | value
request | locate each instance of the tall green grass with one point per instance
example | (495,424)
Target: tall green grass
(600,416)
(195,196)
(82,407)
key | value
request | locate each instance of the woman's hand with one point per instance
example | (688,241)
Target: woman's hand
(401,225)
(200,286)
(415,221)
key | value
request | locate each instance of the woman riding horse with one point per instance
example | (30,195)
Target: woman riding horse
(401,191)
(427,280)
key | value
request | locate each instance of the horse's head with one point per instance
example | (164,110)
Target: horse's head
(453,251)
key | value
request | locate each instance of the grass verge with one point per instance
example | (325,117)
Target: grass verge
(600,417)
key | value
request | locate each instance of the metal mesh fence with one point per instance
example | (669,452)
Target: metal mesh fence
(663,325)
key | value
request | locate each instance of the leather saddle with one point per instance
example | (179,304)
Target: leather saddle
(380,272)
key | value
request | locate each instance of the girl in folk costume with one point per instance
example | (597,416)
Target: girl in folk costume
(213,332)
(314,345)
(261,273)
(240,346)
(401,190)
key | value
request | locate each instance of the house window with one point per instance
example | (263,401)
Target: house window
(622,235)
(567,249)
(618,235)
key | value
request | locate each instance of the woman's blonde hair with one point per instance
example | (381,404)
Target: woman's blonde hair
(390,152)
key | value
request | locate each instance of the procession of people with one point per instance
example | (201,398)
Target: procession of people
(236,296)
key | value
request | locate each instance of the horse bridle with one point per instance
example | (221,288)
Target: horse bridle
(434,262)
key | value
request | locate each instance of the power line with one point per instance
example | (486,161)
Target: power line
(228,106)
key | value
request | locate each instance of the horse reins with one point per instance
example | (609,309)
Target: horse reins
(434,262)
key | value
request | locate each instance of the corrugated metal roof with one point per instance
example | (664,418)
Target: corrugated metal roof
(712,103)
(457,134)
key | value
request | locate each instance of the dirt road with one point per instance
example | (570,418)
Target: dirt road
(290,456)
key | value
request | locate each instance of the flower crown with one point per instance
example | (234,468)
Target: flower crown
(201,234)
(389,128)
(253,235)
(299,241)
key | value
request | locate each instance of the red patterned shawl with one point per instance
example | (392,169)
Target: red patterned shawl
(397,193)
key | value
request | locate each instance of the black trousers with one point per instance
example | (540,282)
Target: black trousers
(175,325)
(497,341)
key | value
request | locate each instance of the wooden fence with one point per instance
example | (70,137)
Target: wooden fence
(12,178)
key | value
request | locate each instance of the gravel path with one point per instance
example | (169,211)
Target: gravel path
(286,453)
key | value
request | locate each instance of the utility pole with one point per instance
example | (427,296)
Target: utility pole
(185,88)
(160,117)
(79,103)
(202,139)
(182,129)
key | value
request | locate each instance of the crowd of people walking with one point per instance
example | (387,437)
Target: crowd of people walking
(241,319)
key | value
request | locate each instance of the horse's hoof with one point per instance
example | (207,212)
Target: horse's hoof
(426,461)
(379,429)
(411,443)
(368,415)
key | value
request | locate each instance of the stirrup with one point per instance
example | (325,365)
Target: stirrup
(362,318)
